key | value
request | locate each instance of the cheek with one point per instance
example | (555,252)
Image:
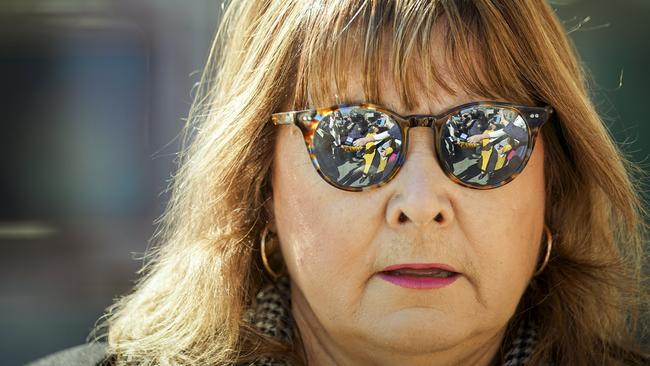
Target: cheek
(321,228)
(507,225)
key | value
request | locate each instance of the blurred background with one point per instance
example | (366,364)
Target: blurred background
(93,93)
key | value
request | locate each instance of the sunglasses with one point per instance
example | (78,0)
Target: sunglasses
(480,145)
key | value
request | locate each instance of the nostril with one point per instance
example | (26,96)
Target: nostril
(403,218)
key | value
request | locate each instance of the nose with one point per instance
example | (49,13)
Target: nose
(421,190)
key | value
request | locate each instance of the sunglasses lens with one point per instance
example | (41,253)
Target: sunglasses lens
(484,146)
(356,147)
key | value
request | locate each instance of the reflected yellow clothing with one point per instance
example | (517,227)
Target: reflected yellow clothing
(487,152)
(369,154)
(383,159)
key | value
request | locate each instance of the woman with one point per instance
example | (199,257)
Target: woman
(265,258)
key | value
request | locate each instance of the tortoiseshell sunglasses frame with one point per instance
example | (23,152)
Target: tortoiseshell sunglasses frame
(308,120)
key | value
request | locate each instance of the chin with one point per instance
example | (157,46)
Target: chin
(421,329)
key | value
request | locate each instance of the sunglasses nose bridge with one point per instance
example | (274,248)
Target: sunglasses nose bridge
(421,121)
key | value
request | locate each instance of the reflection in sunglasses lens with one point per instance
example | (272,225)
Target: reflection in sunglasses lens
(357,147)
(484,145)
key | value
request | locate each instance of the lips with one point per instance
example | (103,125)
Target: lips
(433,272)
(420,266)
(420,275)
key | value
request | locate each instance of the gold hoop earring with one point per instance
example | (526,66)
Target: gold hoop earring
(549,246)
(265,260)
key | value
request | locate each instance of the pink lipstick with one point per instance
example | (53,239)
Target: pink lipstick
(420,275)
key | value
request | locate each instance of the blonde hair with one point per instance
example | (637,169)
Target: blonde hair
(200,279)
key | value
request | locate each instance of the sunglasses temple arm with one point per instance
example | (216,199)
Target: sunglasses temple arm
(287,118)
(537,116)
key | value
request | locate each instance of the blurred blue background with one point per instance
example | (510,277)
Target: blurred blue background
(93,93)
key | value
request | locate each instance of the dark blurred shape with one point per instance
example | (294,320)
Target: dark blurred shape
(74,98)
(93,93)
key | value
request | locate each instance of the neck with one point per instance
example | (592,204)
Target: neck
(323,350)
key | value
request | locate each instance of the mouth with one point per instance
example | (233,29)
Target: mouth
(420,276)
(410,272)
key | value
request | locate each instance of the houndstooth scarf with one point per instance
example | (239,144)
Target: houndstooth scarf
(272,316)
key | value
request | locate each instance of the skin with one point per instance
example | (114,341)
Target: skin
(335,242)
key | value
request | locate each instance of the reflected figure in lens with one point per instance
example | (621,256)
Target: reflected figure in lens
(493,156)
(327,141)
(484,145)
(337,157)
(503,146)
(478,122)
(380,149)
(388,154)
(462,156)
(370,151)
(357,147)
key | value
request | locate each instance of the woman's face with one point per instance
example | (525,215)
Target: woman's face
(335,243)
